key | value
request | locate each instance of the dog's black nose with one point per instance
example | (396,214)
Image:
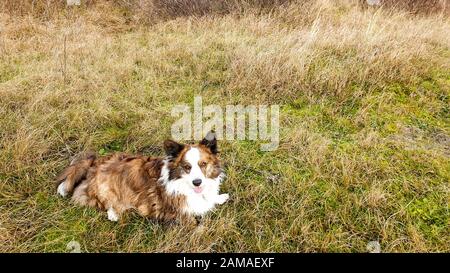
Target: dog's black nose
(197,182)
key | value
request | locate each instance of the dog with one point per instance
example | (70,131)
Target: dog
(182,186)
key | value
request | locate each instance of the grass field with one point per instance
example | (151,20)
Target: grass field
(365,123)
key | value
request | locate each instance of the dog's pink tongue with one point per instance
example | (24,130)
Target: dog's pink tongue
(198,189)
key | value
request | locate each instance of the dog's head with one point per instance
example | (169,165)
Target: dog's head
(194,168)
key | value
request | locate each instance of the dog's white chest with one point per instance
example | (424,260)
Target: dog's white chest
(199,204)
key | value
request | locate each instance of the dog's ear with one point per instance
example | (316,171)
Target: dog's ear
(210,141)
(172,148)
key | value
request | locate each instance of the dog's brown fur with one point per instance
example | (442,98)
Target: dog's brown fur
(122,182)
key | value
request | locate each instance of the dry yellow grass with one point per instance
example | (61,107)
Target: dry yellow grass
(365,132)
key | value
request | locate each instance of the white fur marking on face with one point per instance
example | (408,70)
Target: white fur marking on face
(62,189)
(112,215)
(193,157)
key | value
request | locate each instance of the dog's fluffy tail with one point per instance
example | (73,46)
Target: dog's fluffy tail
(74,174)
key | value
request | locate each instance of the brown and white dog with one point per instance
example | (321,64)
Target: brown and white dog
(181,186)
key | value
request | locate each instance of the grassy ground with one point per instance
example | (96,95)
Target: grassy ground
(365,124)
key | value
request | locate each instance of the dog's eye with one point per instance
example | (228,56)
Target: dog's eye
(203,164)
(187,167)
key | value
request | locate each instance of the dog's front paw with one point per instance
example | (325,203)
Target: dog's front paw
(222,198)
